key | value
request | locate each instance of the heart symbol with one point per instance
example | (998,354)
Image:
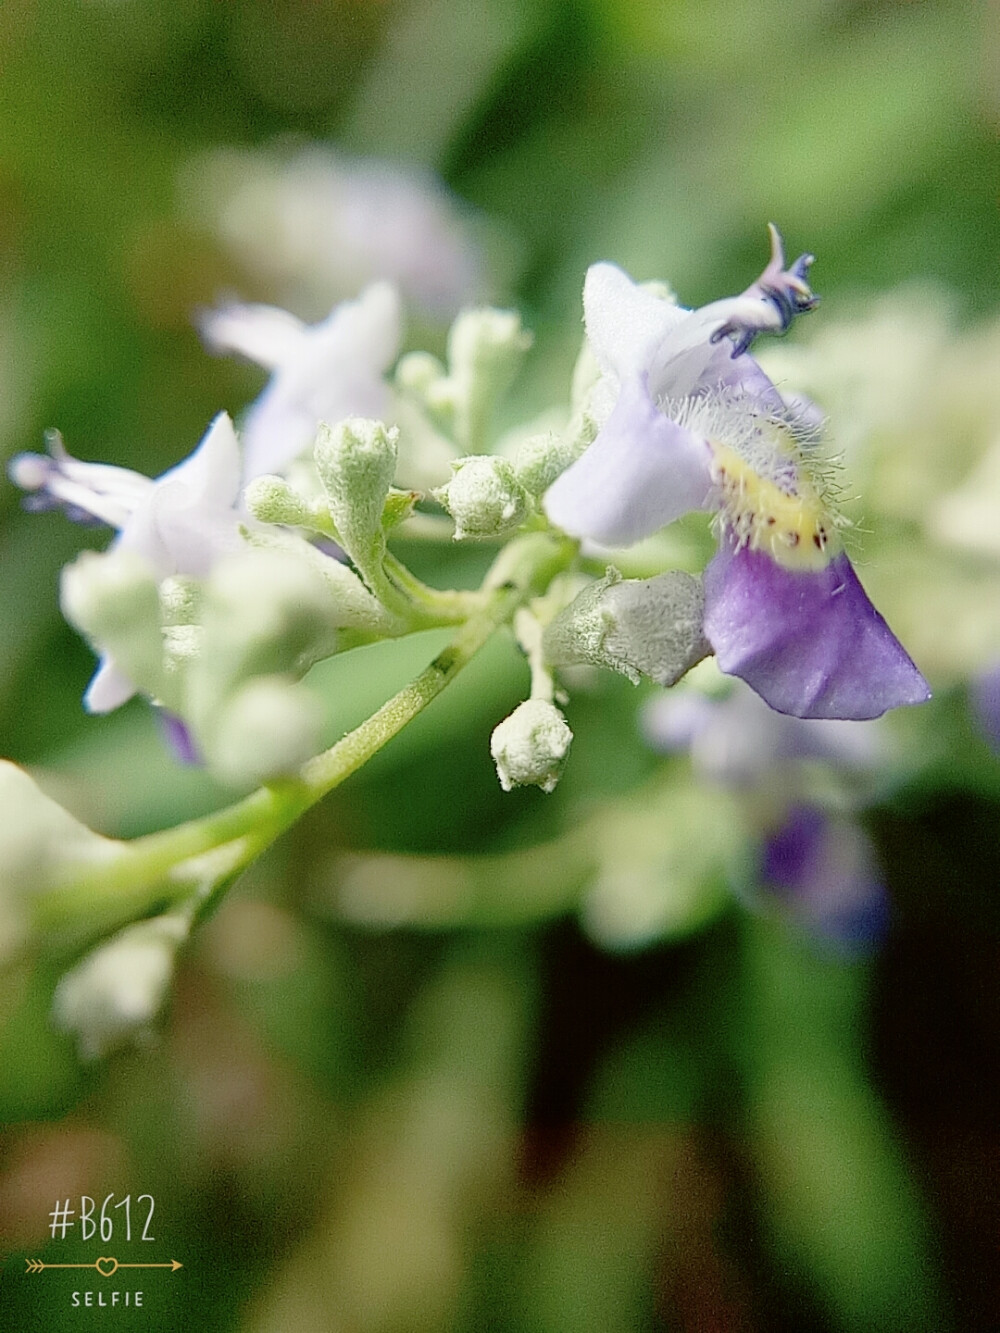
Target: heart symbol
(106,1266)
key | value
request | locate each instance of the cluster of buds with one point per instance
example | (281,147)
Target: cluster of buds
(237,570)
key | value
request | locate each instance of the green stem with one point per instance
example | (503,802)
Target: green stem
(164,867)
(449,607)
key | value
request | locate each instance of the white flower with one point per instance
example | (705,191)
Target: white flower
(320,372)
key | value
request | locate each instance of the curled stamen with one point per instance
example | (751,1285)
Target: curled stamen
(785,291)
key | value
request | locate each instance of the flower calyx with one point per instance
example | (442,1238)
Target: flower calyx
(638,627)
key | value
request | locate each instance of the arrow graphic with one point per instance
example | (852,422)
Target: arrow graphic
(104,1265)
(173,1265)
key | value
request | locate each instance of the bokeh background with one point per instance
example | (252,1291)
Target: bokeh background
(423,1071)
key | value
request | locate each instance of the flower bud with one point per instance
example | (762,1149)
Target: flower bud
(273,500)
(417,371)
(487,342)
(542,458)
(530,747)
(267,729)
(265,613)
(484,497)
(116,992)
(353,606)
(640,627)
(356,461)
(180,600)
(485,351)
(38,841)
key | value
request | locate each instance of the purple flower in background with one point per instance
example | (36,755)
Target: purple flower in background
(823,868)
(316,225)
(820,865)
(177,735)
(320,372)
(739,741)
(688,421)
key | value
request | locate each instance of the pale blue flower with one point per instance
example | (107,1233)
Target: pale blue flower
(984,693)
(824,870)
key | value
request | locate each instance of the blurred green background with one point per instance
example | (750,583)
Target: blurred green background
(481,1119)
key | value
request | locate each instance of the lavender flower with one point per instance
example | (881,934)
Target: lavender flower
(179,523)
(819,864)
(689,421)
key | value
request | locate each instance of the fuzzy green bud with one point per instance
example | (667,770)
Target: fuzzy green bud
(356,461)
(542,458)
(639,627)
(353,605)
(417,371)
(266,611)
(180,600)
(399,506)
(39,843)
(273,500)
(487,342)
(484,497)
(485,351)
(530,746)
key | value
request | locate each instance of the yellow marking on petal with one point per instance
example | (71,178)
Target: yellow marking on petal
(789,522)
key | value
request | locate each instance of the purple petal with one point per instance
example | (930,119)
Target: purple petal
(735,376)
(641,472)
(809,642)
(178,737)
(695,367)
